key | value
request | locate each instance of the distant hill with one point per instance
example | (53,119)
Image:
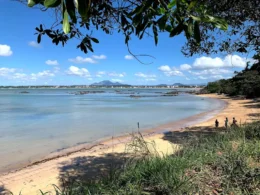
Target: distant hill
(179,84)
(108,83)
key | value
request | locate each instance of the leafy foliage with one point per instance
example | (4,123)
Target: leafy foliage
(246,82)
(243,34)
(132,18)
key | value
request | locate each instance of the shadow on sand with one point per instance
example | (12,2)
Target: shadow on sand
(181,137)
(3,190)
(92,168)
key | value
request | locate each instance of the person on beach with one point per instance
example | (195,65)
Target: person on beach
(226,123)
(216,123)
(234,124)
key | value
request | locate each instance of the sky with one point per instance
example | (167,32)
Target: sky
(24,62)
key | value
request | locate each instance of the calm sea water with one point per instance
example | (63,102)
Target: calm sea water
(35,124)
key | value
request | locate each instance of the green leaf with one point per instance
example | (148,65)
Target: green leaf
(52,3)
(189,29)
(94,40)
(197,32)
(192,4)
(161,10)
(66,23)
(162,22)
(71,10)
(195,18)
(168,28)
(221,23)
(177,30)
(83,7)
(31,3)
(172,4)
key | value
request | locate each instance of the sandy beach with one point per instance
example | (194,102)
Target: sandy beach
(89,162)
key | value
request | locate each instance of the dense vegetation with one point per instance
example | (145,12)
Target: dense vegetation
(246,82)
(243,34)
(140,18)
(226,163)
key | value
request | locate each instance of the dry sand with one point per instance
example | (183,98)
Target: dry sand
(88,163)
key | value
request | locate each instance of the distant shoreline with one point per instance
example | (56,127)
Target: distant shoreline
(102,87)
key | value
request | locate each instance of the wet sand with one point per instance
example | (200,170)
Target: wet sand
(87,161)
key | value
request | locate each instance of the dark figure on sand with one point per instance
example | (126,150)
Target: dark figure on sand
(226,123)
(216,123)
(234,123)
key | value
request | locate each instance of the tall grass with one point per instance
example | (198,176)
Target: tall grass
(226,163)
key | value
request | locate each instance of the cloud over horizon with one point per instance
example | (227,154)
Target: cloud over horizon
(100,57)
(52,62)
(81,60)
(170,71)
(75,71)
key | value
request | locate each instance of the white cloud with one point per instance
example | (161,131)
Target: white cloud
(80,60)
(4,72)
(5,50)
(139,74)
(117,80)
(170,71)
(217,77)
(213,77)
(73,70)
(211,72)
(174,73)
(34,44)
(236,61)
(45,73)
(110,74)
(12,73)
(20,76)
(114,74)
(52,62)
(129,57)
(165,68)
(185,67)
(228,62)
(202,77)
(101,57)
(100,73)
(150,79)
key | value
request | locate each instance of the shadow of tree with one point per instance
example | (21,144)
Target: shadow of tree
(252,105)
(254,116)
(181,137)
(3,190)
(91,168)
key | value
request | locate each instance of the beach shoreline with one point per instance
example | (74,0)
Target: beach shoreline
(43,173)
(112,141)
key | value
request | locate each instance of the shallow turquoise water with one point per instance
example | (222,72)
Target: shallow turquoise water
(35,124)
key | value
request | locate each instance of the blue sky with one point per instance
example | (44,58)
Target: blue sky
(24,62)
